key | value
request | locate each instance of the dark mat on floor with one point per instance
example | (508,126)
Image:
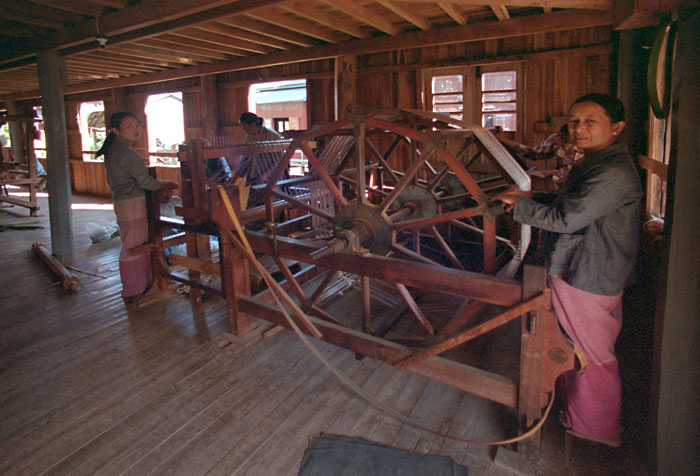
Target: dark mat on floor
(345,456)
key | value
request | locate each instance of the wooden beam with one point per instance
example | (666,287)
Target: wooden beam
(407,14)
(631,14)
(148,18)
(81,7)
(303,9)
(202,266)
(195,42)
(11,28)
(9,13)
(34,9)
(113,60)
(280,18)
(457,15)
(520,26)
(143,51)
(501,11)
(69,282)
(120,55)
(176,47)
(217,39)
(260,27)
(112,3)
(653,166)
(469,379)
(415,275)
(18,201)
(594,50)
(578,4)
(351,8)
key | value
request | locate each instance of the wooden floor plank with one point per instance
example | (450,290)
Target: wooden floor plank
(286,445)
(195,423)
(108,373)
(273,428)
(389,427)
(89,423)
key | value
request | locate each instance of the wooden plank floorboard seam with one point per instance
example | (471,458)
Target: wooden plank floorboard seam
(62,435)
(163,403)
(97,364)
(199,426)
(287,443)
(319,384)
(171,414)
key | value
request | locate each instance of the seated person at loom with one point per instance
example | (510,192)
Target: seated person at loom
(558,145)
(217,171)
(255,167)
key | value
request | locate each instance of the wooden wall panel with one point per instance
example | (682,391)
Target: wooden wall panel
(321,101)
(169,173)
(193,115)
(136,103)
(232,102)
(551,83)
(75,145)
(164,87)
(90,177)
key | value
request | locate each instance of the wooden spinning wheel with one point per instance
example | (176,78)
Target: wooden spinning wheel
(396,202)
(404,213)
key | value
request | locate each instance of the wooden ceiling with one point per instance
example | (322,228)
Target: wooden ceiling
(156,40)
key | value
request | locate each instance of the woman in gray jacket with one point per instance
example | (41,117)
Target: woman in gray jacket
(128,177)
(590,246)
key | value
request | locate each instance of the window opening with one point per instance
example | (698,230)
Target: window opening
(499,100)
(93,131)
(281,124)
(282,105)
(37,129)
(166,127)
(448,95)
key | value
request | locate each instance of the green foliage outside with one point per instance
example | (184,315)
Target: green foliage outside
(5,135)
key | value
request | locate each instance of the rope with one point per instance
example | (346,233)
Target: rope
(245,247)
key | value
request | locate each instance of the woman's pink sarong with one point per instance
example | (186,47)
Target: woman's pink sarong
(135,271)
(592,399)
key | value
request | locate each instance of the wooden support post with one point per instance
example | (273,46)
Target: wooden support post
(15,133)
(366,305)
(31,158)
(57,166)
(531,361)
(196,199)
(345,79)
(489,245)
(235,276)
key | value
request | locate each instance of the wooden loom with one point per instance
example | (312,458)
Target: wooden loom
(389,226)
(27,173)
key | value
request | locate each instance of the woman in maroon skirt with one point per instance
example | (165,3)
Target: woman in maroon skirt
(590,245)
(128,177)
